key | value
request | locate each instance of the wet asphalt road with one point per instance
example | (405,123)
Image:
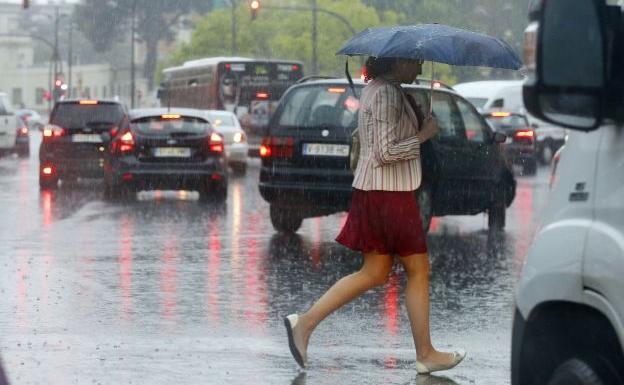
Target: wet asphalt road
(168,291)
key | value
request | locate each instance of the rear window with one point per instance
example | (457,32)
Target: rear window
(478,102)
(318,106)
(158,124)
(74,115)
(513,122)
(222,120)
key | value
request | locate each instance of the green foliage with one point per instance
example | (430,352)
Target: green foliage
(282,34)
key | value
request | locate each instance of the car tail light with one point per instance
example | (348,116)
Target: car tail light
(528,134)
(124,144)
(114,131)
(52,131)
(277,147)
(262,95)
(239,137)
(48,170)
(216,143)
(23,131)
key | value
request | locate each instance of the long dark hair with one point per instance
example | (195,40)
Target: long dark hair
(375,67)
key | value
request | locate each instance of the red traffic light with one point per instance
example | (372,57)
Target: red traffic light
(255,7)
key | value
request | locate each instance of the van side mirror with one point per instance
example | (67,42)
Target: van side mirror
(568,85)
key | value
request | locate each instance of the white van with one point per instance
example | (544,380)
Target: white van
(8,124)
(506,95)
(569,319)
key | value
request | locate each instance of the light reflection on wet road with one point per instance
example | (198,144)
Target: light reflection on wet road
(166,290)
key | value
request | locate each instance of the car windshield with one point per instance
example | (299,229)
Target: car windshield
(169,124)
(222,120)
(319,106)
(75,115)
(507,123)
(477,102)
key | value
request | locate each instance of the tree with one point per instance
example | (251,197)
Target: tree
(282,34)
(105,22)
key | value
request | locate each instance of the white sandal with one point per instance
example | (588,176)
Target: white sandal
(426,368)
(300,355)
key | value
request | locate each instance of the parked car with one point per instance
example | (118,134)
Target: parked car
(165,149)
(33,119)
(236,147)
(506,95)
(520,147)
(569,321)
(8,122)
(73,145)
(22,139)
(305,157)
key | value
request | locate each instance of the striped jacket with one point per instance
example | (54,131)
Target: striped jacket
(389,144)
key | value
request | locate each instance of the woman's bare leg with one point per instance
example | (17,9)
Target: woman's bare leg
(417,302)
(374,272)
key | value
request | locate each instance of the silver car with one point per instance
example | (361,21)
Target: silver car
(236,146)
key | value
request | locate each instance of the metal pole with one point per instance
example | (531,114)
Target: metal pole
(56,55)
(234,48)
(132,76)
(314,38)
(70,60)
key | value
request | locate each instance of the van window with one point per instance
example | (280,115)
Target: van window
(498,103)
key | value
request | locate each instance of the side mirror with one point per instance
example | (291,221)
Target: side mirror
(567,87)
(499,137)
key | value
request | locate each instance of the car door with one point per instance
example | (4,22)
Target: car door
(482,157)
(444,157)
(7,124)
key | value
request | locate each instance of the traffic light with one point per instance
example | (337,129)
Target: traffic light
(25,4)
(254,7)
(59,89)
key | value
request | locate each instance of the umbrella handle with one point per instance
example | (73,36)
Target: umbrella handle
(431,92)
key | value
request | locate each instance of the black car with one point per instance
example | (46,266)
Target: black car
(164,149)
(73,145)
(22,139)
(520,146)
(305,157)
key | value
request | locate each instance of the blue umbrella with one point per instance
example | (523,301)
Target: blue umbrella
(435,43)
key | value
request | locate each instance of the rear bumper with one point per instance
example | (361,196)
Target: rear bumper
(518,153)
(160,176)
(325,197)
(237,153)
(75,168)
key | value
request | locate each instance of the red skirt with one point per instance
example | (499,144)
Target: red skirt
(386,222)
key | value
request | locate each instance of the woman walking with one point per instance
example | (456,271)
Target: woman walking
(384,219)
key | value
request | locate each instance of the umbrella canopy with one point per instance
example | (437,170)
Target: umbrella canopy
(435,43)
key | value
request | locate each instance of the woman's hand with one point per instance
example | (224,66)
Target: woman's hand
(429,130)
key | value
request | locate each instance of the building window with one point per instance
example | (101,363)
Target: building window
(17,97)
(39,95)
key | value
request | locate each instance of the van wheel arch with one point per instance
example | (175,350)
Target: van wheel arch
(557,332)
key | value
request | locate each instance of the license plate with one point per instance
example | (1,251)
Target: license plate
(86,138)
(172,152)
(321,149)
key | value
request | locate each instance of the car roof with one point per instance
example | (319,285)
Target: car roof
(220,112)
(358,82)
(140,113)
(484,88)
(99,101)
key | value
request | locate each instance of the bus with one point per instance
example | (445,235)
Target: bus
(251,88)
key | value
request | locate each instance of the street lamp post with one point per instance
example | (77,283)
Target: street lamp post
(132,65)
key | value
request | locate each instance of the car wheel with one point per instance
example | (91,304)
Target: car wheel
(47,183)
(239,168)
(530,167)
(423,196)
(497,211)
(23,152)
(547,152)
(285,220)
(577,371)
(213,193)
